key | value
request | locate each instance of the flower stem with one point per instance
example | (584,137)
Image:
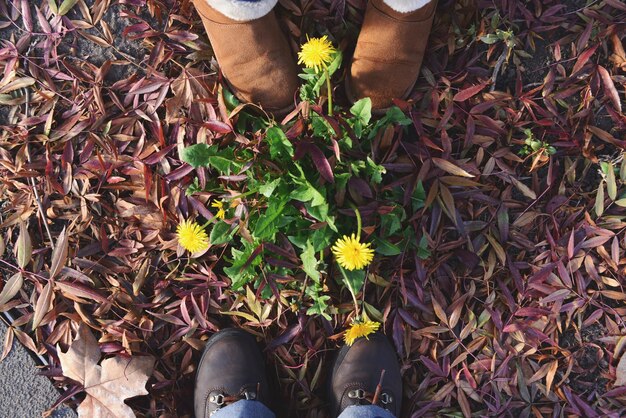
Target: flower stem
(330,91)
(358,222)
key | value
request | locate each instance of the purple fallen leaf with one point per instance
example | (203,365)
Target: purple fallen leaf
(320,161)
(290,333)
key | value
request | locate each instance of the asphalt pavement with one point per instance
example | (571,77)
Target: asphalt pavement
(23,393)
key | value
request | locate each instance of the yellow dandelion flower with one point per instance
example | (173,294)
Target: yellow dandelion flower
(352,254)
(191,236)
(316,53)
(221,212)
(360,328)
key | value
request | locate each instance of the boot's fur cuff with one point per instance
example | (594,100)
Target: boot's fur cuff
(242,10)
(403,6)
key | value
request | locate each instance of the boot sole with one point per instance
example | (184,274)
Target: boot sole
(277,113)
(377,112)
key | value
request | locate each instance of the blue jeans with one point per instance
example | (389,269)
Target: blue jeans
(254,409)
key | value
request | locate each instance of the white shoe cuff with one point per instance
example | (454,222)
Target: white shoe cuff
(406,6)
(242,10)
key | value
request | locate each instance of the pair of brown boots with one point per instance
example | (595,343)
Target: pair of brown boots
(256,60)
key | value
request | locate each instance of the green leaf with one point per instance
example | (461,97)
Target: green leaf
(418,198)
(386,248)
(390,223)
(332,67)
(279,144)
(307,193)
(197,155)
(221,233)
(66,6)
(230,100)
(362,109)
(203,155)
(224,161)
(320,238)
(490,39)
(53,8)
(374,171)
(321,128)
(341,180)
(193,187)
(241,276)
(611,184)
(599,205)
(604,166)
(422,250)
(267,225)
(373,312)
(268,188)
(535,145)
(396,116)
(336,63)
(320,212)
(319,307)
(309,262)
(353,280)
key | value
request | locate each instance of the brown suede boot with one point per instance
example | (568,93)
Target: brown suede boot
(357,372)
(254,57)
(231,369)
(389,53)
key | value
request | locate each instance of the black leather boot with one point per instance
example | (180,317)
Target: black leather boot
(231,369)
(357,372)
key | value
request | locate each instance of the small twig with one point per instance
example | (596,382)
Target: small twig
(42,213)
(496,69)
(379,388)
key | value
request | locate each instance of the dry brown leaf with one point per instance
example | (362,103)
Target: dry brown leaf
(11,287)
(106,385)
(24,246)
(526,191)
(8,344)
(44,304)
(451,168)
(554,365)
(59,254)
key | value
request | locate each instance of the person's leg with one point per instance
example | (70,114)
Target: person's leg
(356,375)
(365,411)
(244,409)
(231,380)
(390,50)
(252,51)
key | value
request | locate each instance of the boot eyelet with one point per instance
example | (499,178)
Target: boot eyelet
(250,396)
(356,394)
(386,398)
(217,399)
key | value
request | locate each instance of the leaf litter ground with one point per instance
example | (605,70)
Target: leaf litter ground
(511,301)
